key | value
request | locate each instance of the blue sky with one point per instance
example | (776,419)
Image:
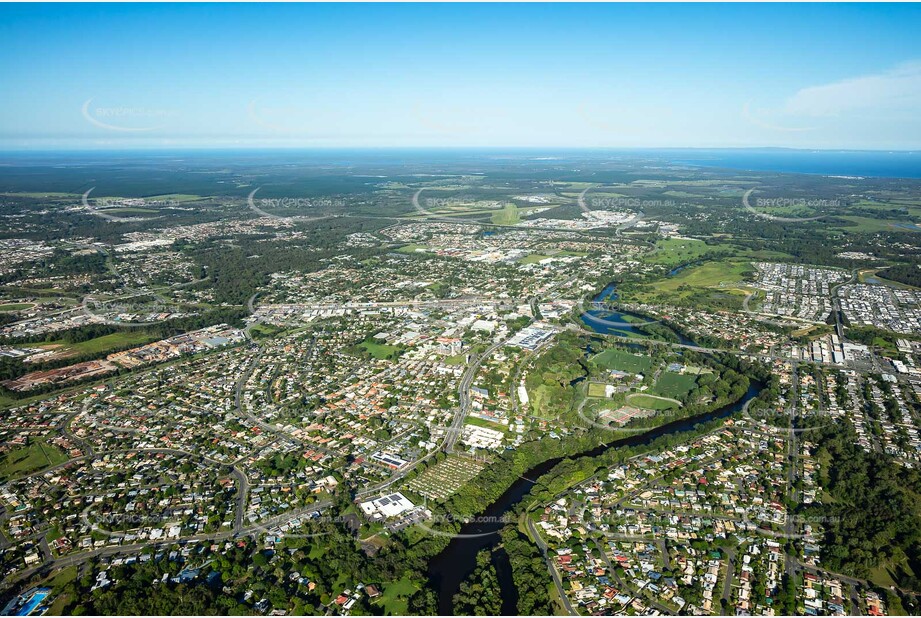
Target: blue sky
(547,75)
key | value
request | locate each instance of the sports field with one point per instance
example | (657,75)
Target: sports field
(620,360)
(674,385)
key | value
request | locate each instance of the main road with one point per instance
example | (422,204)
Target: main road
(457,425)
(79,558)
(542,546)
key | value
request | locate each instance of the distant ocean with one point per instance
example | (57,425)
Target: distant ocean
(880,164)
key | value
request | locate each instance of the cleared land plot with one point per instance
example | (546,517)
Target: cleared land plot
(25,459)
(620,360)
(105,343)
(674,385)
(98,346)
(676,251)
(174,197)
(382,351)
(725,275)
(438,482)
(507,216)
(58,583)
(412,248)
(129,211)
(533,258)
(485,422)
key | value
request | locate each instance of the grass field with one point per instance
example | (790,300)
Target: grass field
(881,576)
(16,306)
(619,360)
(265,330)
(676,251)
(129,210)
(867,224)
(174,197)
(761,254)
(722,275)
(115,340)
(674,385)
(412,248)
(57,583)
(650,402)
(708,274)
(507,216)
(793,210)
(872,275)
(25,459)
(395,596)
(62,578)
(21,290)
(533,258)
(537,397)
(101,345)
(382,351)
(596,389)
(482,422)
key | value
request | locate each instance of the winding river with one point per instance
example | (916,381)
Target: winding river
(606,321)
(449,568)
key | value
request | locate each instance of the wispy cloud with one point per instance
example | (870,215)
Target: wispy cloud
(764,118)
(898,89)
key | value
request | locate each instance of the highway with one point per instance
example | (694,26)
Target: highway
(836,304)
(448,303)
